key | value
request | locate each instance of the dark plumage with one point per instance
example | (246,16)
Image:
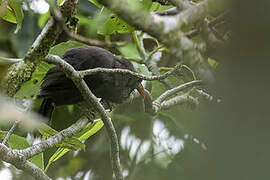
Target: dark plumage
(57,89)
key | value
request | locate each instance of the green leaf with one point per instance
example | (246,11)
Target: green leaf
(130,51)
(115,24)
(155,7)
(15,141)
(30,89)
(88,131)
(47,131)
(96,3)
(58,154)
(72,143)
(141,68)
(146,4)
(158,7)
(213,63)
(59,2)
(157,89)
(43,19)
(139,4)
(16,6)
(8,14)
(93,23)
(13,13)
(61,48)
(18,142)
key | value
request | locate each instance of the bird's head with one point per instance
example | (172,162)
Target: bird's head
(132,82)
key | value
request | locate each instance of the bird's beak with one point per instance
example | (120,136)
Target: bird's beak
(140,89)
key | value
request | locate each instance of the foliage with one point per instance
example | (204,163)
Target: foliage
(13,13)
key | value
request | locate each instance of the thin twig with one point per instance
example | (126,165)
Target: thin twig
(208,96)
(125,71)
(146,59)
(88,41)
(4,60)
(139,45)
(10,132)
(166,94)
(218,19)
(158,49)
(92,42)
(192,33)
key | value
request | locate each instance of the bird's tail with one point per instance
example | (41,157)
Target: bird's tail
(46,108)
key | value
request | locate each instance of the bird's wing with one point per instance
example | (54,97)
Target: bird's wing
(55,80)
(89,57)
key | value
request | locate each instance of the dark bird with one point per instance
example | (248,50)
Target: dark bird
(57,89)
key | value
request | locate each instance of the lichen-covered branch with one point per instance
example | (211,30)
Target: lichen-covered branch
(10,112)
(22,71)
(20,162)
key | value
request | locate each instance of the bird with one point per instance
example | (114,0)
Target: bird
(56,89)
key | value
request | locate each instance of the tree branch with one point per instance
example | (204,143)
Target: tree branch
(88,41)
(18,158)
(22,71)
(181,4)
(182,99)
(19,161)
(125,71)
(4,60)
(168,30)
(158,102)
(200,11)
(53,140)
(61,21)
(92,100)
